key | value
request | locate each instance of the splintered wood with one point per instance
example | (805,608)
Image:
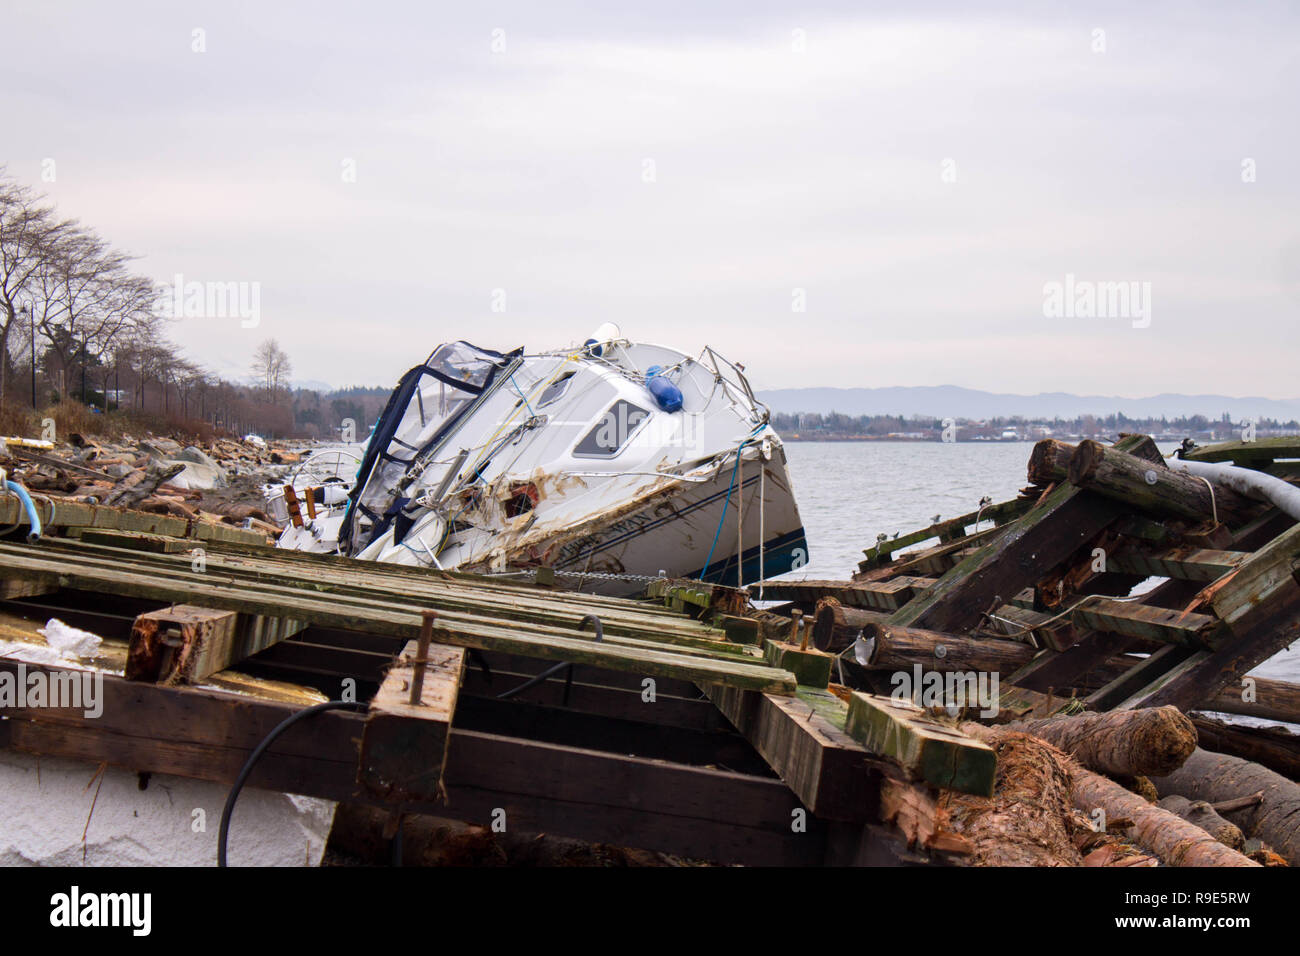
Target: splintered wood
(185,644)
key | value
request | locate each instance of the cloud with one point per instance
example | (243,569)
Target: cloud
(919,178)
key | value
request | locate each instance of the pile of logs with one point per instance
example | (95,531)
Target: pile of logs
(1122,603)
(1127,788)
(219,482)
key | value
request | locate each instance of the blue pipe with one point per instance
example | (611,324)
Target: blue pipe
(33,518)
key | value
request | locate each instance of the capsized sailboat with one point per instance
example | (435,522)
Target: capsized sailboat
(610,464)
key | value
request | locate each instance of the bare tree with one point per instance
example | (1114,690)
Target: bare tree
(28,231)
(271,369)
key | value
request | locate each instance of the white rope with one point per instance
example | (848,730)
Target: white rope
(1214,503)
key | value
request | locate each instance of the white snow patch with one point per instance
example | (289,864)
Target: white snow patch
(172,822)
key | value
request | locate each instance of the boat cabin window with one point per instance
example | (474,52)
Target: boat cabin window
(611,433)
(555,389)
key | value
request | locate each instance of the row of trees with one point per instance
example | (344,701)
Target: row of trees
(76,316)
(70,304)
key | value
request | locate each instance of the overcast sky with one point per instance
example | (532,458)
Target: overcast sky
(914,179)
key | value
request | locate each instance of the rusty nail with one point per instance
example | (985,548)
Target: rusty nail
(422,654)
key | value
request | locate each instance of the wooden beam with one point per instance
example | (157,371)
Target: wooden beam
(811,667)
(134,540)
(1133,619)
(1018,557)
(186,644)
(696,812)
(1263,451)
(951,530)
(1190,564)
(922,746)
(830,772)
(69,513)
(1201,677)
(404,745)
(379,583)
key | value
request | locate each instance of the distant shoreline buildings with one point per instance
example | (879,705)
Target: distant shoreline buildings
(812,426)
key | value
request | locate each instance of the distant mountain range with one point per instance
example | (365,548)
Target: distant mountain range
(951,401)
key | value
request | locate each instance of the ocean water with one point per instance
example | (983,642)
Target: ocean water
(848,492)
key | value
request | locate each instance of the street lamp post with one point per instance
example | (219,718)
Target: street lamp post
(31,316)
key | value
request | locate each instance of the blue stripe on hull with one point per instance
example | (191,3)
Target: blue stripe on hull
(781,554)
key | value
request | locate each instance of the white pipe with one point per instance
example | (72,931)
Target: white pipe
(1256,484)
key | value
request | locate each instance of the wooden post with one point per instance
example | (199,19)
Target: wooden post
(404,744)
(1049,462)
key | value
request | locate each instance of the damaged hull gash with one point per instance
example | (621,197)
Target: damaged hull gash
(609,464)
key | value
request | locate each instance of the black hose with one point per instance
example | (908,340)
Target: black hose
(568,678)
(224,831)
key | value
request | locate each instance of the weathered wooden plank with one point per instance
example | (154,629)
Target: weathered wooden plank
(922,746)
(404,746)
(625,618)
(69,513)
(134,540)
(952,529)
(1152,623)
(13,588)
(811,667)
(187,644)
(1190,564)
(830,772)
(394,619)
(1251,453)
(1259,580)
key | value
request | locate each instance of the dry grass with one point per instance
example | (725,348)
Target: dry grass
(74,418)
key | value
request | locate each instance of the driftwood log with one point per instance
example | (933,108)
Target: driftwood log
(1049,462)
(1027,820)
(1271,700)
(899,648)
(1124,743)
(835,626)
(1204,816)
(1218,778)
(139,485)
(1152,487)
(1171,838)
(1276,748)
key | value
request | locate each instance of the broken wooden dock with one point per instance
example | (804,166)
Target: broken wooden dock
(689,722)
